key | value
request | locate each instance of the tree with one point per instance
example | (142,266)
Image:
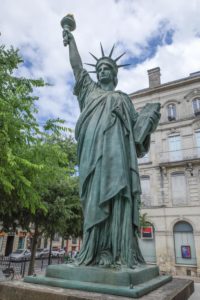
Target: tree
(75,225)
(59,206)
(35,166)
(144,220)
(18,129)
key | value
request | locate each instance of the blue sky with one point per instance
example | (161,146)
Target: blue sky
(164,33)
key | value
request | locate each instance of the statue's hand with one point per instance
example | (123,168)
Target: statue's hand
(67,37)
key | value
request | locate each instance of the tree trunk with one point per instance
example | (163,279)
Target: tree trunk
(50,248)
(62,243)
(33,251)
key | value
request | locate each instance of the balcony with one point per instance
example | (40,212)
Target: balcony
(178,156)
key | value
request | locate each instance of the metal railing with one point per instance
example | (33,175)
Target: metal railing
(17,269)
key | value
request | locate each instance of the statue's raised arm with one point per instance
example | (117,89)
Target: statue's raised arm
(68,24)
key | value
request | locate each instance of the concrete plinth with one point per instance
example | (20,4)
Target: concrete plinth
(115,281)
(177,289)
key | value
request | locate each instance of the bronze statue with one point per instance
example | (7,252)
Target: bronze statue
(110,135)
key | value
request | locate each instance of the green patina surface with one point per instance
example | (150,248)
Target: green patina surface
(111,135)
(124,282)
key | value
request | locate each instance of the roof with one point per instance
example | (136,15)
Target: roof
(193,78)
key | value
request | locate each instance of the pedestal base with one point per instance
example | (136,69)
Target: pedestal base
(126,282)
(177,289)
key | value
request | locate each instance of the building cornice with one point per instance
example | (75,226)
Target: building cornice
(166,86)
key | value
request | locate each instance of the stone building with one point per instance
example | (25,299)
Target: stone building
(20,239)
(170,175)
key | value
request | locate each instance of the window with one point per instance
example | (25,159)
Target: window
(171,110)
(74,240)
(144,159)
(179,189)
(1,242)
(56,237)
(21,243)
(145,186)
(175,152)
(196,106)
(184,244)
(197,135)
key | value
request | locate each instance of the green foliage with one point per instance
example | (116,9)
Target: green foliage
(63,208)
(18,127)
(37,167)
(144,221)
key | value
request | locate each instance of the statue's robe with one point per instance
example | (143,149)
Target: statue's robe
(109,179)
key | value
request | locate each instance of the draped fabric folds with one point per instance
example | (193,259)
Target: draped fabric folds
(109,179)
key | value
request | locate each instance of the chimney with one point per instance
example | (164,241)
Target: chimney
(154,77)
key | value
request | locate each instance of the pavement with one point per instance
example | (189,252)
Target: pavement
(196,294)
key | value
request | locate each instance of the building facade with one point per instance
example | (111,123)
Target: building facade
(170,175)
(11,241)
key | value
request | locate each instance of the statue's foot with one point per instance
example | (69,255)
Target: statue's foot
(106,259)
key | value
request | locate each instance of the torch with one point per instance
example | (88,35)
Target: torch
(68,24)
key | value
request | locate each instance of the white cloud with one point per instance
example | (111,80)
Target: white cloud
(34,28)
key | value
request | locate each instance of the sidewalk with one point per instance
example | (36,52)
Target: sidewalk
(196,294)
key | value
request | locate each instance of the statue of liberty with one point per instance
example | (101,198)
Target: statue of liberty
(111,135)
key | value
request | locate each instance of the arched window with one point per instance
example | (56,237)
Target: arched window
(185,252)
(171,112)
(183,227)
(196,106)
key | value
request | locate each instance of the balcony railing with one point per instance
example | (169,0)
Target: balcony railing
(180,155)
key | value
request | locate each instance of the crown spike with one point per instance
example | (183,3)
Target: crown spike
(120,66)
(102,52)
(116,59)
(92,65)
(93,56)
(111,52)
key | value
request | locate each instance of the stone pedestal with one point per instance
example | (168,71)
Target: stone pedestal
(177,289)
(123,282)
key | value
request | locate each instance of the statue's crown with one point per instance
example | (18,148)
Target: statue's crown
(107,60)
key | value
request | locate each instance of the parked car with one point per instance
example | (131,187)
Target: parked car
(38,252)
(62,252)
(20,254)
(41,253)
(57,252)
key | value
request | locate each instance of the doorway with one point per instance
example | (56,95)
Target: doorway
(9,245)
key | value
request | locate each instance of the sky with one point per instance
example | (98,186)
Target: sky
(154,33)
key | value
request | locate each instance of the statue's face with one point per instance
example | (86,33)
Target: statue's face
(105,74)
